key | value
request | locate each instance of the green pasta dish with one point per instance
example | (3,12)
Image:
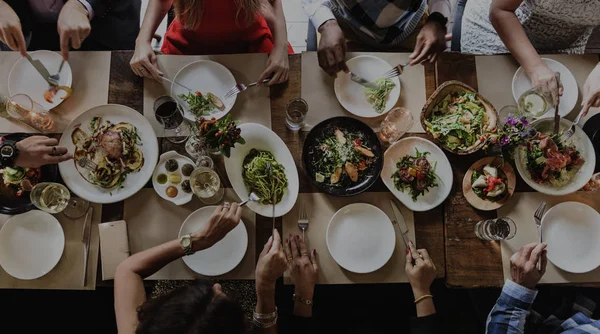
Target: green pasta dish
(264,176)
(378,97)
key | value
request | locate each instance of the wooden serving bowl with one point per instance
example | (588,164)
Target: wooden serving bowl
(476,201)
(490,119)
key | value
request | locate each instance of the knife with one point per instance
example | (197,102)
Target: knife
(87,236)
(42,70)
(273,230)
(362,81)
(400,223)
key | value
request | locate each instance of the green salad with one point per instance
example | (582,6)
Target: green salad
(202,105)
(378,97)
(264,176)
(416,174)
(457,121)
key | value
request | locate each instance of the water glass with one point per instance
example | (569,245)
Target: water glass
(397,122)
(50,197)
(502,228)
(195,146)
(508,111)
(295,113)
(22,108)
(170,115)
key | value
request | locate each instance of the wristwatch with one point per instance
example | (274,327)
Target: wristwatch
(438,18)
(186,244)
(8,152)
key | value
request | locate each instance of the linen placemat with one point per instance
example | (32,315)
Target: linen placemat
(252,106)
(91,75)
(520,209)
(495,74)
(152,221)
(68,273)
(318,91)
(320,208)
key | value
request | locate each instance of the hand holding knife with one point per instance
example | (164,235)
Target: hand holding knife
(401,223)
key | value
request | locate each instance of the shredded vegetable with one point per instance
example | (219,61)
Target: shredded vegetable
(264,176)
(200,105)
(378,97)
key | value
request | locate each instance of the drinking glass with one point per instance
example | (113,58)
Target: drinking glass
(22,108)
(508,111)
(76,208)
(206,184)
(295,113)
(205,161)
(397,122)
(170,115)
(196,146)
(502,228)
(50,197)
(535,102)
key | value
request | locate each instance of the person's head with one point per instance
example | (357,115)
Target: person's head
(199,307)
(190,12)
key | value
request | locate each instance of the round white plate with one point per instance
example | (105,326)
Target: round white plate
(205,76)
(572,231)
(223,256)
(115,113)
(262,138)
(521,84)
(31,244)
(352,96)
(407,146)
(25,79)
(360,238)
(182,197)
(584,146)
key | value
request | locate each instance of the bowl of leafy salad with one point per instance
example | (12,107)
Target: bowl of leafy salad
(458,118)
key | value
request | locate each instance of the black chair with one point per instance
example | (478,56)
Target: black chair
(456,28)
(311,37)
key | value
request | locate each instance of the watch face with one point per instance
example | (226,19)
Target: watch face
(185,242)
(7,151)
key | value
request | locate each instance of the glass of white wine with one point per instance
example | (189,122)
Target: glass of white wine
(50,197)
(535,103)
(206,184)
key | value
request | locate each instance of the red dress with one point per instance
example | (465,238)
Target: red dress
(219,33)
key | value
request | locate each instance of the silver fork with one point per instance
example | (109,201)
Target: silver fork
(238,88)
(537,218)
(87,164)
(302,219)
(56,76)
(396,71)
(571,131)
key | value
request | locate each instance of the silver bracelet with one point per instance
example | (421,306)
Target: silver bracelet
(265,316)
(260,324)
(302,300)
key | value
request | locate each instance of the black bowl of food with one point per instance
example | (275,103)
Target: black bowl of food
(15,183)
(342,156)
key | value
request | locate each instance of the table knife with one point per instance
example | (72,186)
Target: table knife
(401,223)
(273,230)
(87,236)
(362,81)
(42,70)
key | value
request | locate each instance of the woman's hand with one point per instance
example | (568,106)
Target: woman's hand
(523,265)
(143,63)
(277,65)
(591,91)
(271,264)
(36,151)
(302,266)
(332,48)
(224,219)
(549,81)
(431,41)
(11,32)
(73,26)
(420,274)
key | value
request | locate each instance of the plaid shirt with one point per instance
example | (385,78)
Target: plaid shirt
(512,308)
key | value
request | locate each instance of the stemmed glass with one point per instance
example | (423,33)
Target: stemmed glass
(397,122)
(170,115)
(22,108)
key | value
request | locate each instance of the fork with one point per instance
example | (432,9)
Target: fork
(537,218)
(302,219)
(396,71)
(238,88)
(571,131)
(56,76)
(87,164)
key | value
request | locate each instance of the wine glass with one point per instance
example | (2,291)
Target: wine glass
(22,108)
(76,208)
(50,197)
(206,184)
(397,122)
(170,115)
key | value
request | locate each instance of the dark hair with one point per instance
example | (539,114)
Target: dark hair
(191,309)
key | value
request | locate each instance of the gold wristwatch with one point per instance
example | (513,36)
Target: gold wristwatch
(186,244)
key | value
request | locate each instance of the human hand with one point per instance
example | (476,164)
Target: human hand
(11,32)
(420,274)
(591,91)
(431,41)
(548,81)
(224,219)
(302,266)
(73,26)
(277,67)
(271,264)
(523,265)
(144,63)
(332,48)
(36,151)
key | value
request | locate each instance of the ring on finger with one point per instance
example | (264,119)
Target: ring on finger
(142,69)
(305,254)
(53,150)
(290,259)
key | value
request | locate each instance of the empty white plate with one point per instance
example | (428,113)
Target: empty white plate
(352,96)
(24,79)
(31,244)
(572,231)
(205,76)
(521,84)
(223,256)
(360,238)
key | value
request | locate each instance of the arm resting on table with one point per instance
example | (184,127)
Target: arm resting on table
(511,309)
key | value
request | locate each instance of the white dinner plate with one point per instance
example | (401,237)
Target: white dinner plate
(205,76)
(25,79)
(115,113)
(182,197)
(31,244)
(521,84)
(352,96)
(223,256)
(360,238)
(572,231)
(262,138)
(407,146)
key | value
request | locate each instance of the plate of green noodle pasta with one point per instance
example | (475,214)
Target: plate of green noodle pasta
(265,166)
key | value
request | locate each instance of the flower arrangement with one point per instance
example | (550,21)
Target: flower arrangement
(220,134)
(515,132)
